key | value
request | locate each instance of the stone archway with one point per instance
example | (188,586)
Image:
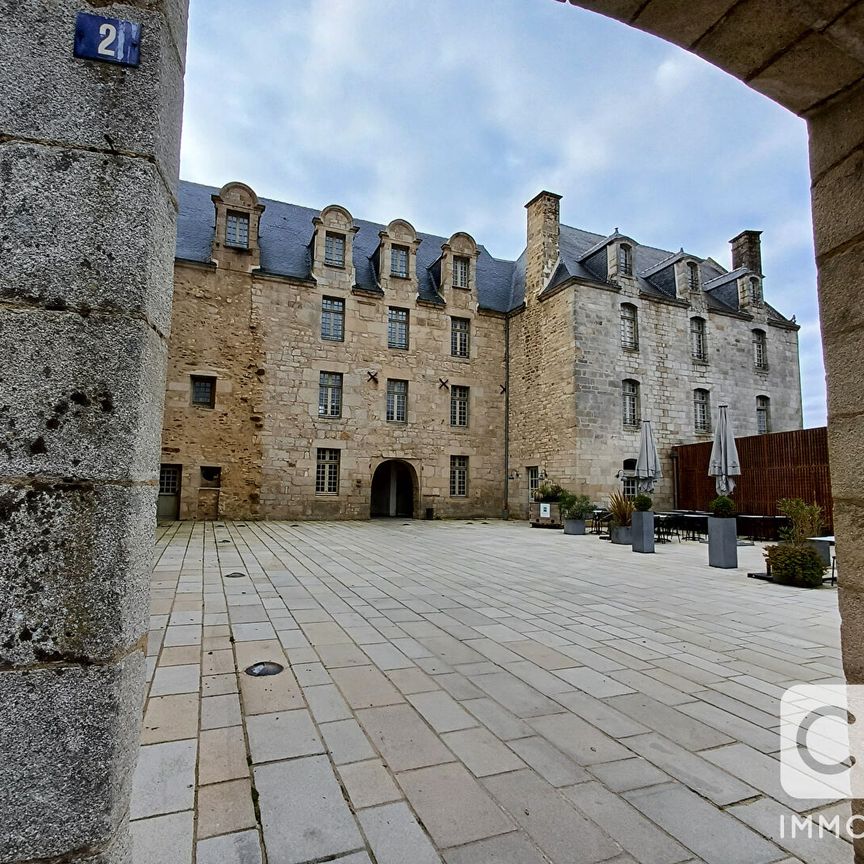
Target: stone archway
(808,56)
(394,490)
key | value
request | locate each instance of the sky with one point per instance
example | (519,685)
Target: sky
(453,114)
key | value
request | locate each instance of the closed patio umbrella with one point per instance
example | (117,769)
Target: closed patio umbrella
(724,464)
(648,470)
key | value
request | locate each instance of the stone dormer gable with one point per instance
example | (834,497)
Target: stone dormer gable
(235,243)
(332,248)
(396,255)
(458,263)
(680,275)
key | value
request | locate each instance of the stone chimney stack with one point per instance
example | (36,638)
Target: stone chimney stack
(747,251)
(542,242)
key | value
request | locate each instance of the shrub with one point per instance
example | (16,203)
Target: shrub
(548,492)
(722,507)
(806,519)
(642,502)
(795,564)
(575,506)
(621,509)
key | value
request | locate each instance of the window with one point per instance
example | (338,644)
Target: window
(237,230)
(461,269)
(459,405)
(397,401)
(630,402)
(334,249)
(458,476)
(630,484)
(755,291)
(333,319)
(211,477)
(399,261)
(327,472)
(693,276)
(698,343)
(701,411)
(763,415)
(533,480)
(169,479)
(203,391)
(629,327)
(397,328)
(330,394)
(760,349)
(460,337)
(625,260)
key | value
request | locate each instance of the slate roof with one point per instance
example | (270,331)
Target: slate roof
(286,232)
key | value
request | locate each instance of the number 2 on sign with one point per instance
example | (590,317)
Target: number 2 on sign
(108,32)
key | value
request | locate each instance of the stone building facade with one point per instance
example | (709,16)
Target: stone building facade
(326,367)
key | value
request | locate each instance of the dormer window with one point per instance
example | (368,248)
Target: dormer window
(334,249)
(399,261)
(237,230)
(755,291)
(461,269)
(693,276)
(625,260)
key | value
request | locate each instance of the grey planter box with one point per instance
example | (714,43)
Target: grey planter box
(574,526)
(722,543)
(622,535)
(643,531)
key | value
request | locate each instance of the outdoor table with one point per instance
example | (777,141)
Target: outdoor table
(823,546)
(695,525)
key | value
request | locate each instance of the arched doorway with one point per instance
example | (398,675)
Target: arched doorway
(393,485)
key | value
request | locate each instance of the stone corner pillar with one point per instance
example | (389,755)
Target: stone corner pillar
(89,155)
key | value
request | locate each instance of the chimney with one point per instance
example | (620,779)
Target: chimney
(542,242)
(747,252)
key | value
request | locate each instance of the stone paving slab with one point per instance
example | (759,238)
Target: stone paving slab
(468,693)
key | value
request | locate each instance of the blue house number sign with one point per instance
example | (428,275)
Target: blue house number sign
(109,39)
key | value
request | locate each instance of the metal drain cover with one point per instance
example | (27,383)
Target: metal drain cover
(235,575)
(265,667)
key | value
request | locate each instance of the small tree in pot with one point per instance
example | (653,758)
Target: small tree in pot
(722,533)
(575,509)
(621,508)
(796,561)
(643,524)
(547,493)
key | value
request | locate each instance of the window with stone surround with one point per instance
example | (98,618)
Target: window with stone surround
(760,349)
(460,337)
(211,477)
(698,340)
(397,401)
(334,249)
(701,410)
(459,397)
(625,259)
(763,415)
(203,391)
(397,328)
(327,471)
(333,319)
(629,327)
(533,474)
(399,261)
(461,271)
(755,291)
(693,281)
(237,230)
(330,394)
(630,403)
(458,476)
(630,486)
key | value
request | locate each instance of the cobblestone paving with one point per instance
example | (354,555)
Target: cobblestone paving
(471,693)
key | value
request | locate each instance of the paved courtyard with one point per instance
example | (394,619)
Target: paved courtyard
(472,693)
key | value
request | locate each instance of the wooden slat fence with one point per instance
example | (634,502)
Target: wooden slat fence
(774,466)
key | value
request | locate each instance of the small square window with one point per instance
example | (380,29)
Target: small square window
(399,261)
(237,230)
(334,249)
(203,391)
(211,476)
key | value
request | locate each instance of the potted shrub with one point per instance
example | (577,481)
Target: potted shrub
(643,524)
(621,509)
(722,533)
(795,561)
(575,509)
(542,516)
